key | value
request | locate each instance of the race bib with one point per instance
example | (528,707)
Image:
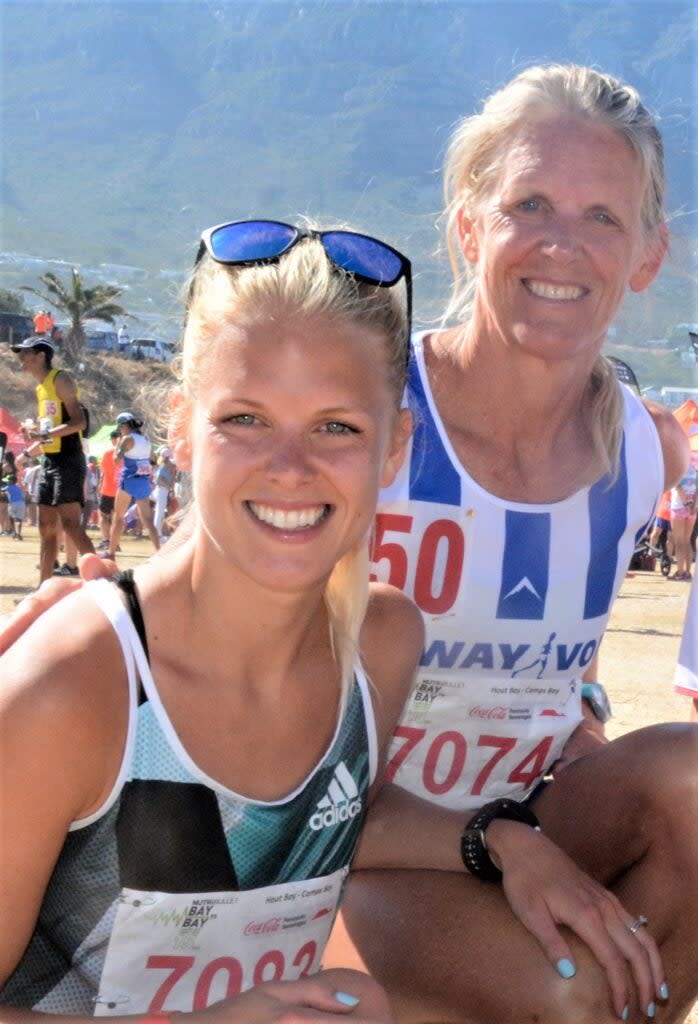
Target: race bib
(423,551)
(183,952)
(492,706)
(462,744)
(143,467)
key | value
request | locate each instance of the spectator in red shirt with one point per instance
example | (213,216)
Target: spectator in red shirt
(108,487)
(43,322)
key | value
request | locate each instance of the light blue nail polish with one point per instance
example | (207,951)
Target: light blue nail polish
(565,968)
(651,1010)
(664,990)
(345,999)
(626,1011)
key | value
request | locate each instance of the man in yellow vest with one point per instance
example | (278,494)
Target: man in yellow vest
(57,435)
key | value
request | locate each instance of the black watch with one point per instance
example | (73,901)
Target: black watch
(473,844)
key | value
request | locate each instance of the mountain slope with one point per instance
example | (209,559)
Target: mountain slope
(130,126)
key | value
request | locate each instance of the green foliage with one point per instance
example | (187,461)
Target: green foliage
(79,304)
(13,302)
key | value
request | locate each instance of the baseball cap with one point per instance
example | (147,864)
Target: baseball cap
(33,342)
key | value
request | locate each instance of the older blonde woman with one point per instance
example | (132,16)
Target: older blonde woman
(532,472)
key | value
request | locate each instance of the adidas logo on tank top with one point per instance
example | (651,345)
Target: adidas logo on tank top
(341,802)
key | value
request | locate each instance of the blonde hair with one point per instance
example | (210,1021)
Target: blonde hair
(302,283)
(475,155)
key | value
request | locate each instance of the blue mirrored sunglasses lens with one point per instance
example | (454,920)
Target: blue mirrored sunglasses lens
(361,255)
(252,240)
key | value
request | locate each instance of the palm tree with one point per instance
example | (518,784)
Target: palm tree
(79,303)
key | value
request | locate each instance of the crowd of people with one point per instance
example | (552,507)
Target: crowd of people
(63,488)
(366,669)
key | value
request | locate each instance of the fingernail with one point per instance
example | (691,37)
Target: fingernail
(651,1010)
(626,1011)
(565,968)
(345,999)
(663,990)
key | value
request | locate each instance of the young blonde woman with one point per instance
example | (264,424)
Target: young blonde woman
(188,757)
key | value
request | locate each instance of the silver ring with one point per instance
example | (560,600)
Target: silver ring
(640,923)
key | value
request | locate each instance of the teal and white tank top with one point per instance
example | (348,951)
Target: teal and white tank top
(179,892)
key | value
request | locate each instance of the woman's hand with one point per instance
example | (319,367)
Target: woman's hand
(545,888)
(12,626)
(327,996)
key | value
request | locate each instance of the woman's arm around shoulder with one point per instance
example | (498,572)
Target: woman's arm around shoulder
(673,441)
(63,714)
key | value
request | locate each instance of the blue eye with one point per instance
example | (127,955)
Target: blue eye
(242,419)
(530,205)
(603,218)
(338,428)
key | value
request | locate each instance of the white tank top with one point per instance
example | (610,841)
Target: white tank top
(516,598)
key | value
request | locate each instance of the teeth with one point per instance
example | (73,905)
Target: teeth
(296,519)
(555,291)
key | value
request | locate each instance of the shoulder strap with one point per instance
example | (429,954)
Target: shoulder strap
(127,585)
(361,681)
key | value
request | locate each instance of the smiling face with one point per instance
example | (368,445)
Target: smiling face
(558,240)
(292,432)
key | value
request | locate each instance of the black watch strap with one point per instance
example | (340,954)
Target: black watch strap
(473,844)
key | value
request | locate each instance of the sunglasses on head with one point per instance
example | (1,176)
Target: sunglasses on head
(258,242)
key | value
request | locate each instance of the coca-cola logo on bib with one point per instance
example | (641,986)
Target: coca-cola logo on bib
(272,924)
(499,711)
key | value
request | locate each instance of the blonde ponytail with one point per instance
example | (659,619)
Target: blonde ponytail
(346,596)
(606,413)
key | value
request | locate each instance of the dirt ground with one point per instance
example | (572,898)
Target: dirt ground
(638,655)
